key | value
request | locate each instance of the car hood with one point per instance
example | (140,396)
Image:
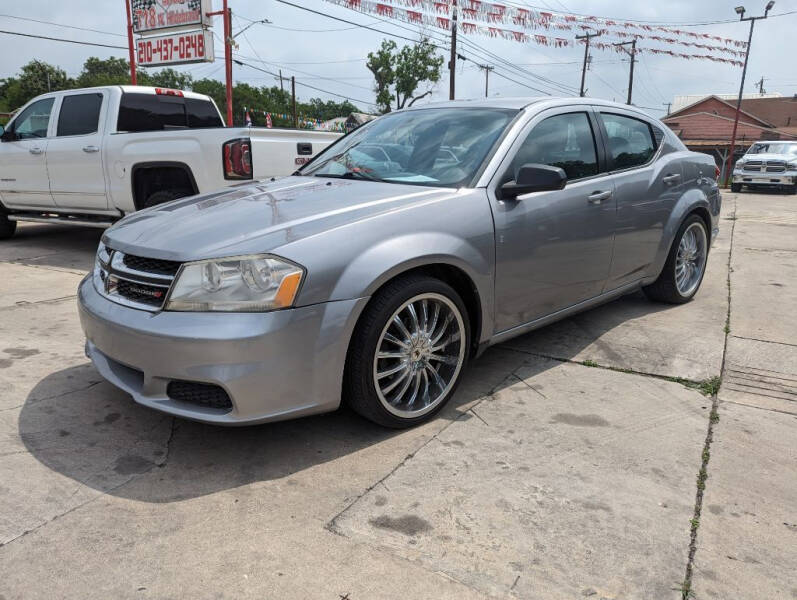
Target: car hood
(769,156)
(259,217)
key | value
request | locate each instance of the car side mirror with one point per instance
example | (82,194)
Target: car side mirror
(533,177)
(7,135)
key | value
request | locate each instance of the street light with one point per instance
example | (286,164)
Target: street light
(740,11)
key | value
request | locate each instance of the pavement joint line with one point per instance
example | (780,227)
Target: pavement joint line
(25,303)
(774,410)
(741,337)
(78,272)
(332,524)
(478,416)
(702,475)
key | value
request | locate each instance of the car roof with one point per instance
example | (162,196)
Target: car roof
(520,103)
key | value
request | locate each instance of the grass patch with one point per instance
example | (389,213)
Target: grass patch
(590,363)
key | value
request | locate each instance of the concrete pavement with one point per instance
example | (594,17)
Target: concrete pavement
(544,478)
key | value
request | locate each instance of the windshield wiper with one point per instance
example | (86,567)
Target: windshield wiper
(350,175)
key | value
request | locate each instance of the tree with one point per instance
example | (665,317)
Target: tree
(167,78)
(35,78)
(98,72)
(404,71)
(328,110)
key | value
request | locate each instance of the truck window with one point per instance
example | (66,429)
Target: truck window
(202,113)
(79,115)
(147,112)
(33,121)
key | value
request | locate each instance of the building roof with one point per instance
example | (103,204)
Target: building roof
(781,112)
(694,108)
(717,129)
(679,102)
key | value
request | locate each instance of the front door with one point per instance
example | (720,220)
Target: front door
(553,249)
(23,154)
(74,155)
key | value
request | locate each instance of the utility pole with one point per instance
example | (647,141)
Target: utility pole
(740,11)
(668,105)
(760,84)
(282,88)
(228,41)
(587,37)
(293,102)
(632,53)
(452,64)
(133,78)
(487,69)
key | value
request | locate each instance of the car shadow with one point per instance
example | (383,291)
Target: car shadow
(52,245)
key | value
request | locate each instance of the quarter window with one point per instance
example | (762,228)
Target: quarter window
(33,121)
(79,114)
(564,141)
(630,140)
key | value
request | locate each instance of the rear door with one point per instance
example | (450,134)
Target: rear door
(553,249)
(74,155)
(647,186)
(23,168)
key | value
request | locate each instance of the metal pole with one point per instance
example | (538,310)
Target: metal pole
(282,88)
(452,65)
(293,95)
(228,60)
(133,78)
(729,166)
(587,37)
(631,76)
(487,81)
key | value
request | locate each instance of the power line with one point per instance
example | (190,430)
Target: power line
(64,26)
(55,39)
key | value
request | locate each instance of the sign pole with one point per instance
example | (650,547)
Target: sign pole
(228,60)
(133,79)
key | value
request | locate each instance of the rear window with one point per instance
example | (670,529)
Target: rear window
(148,112)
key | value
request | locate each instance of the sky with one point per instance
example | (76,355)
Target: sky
(330,55)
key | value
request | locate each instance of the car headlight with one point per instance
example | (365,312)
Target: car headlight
(792,166)
(739,164)
(252,283)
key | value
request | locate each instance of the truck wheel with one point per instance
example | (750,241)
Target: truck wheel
(7,226)
(736,188)
(790,189)
(408,352)
(164,196)
(686,263)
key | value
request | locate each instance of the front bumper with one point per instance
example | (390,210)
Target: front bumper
(274,365)
(756,178)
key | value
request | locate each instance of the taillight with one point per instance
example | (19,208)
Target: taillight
(237,159)
(716,173)
(168,92)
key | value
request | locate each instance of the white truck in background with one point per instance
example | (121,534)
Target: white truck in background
(90,156)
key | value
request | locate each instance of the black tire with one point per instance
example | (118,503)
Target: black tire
(790,189)
(736,188)
(7,226)
(665,288)
(163,196)
(359,387)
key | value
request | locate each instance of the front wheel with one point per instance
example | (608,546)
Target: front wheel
(736,188)
(408,352)
(686,263)
(7,226)
(790,189)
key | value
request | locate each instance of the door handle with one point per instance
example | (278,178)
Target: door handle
(674,178)
(36,150)
(598,197)
(90,149)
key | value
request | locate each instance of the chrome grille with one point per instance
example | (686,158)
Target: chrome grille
(776,166)
(753,165)
(134,281)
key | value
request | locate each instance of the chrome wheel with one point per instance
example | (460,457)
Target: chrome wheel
(419,355)
(691,259)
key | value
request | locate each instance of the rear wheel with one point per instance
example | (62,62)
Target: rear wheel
(7,226)
(686,263)
(163,196)
(736,188)
(408,352)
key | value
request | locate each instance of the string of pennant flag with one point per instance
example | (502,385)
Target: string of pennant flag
(438,15)
(304,122)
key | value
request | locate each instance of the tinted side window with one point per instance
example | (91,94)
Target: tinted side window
(564,141)
(80,114)
(631,141)
(147,112)
(33,121)
(202,113)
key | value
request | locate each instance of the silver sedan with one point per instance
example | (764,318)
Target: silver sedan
(379,269)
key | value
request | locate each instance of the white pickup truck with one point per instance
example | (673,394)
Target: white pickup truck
(90,156)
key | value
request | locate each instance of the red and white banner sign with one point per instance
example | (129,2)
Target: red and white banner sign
(175,49)
(153,15)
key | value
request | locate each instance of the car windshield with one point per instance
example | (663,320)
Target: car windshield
(773,148)
(434,146)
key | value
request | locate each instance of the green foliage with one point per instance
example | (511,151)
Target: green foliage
(32,81)
(399,74)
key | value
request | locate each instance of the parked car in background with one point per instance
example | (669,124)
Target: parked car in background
(379,275)
(767,164)
(91,156)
